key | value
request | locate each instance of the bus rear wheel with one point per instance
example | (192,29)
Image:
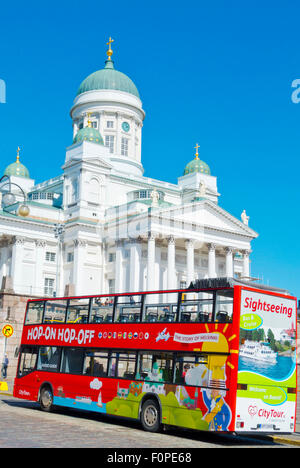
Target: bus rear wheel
(150,416)
(46,399)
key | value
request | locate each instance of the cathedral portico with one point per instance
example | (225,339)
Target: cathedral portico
(152,261)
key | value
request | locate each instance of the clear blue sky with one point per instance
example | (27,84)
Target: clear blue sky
(218,73)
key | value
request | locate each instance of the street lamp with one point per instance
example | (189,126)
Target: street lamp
(9,198)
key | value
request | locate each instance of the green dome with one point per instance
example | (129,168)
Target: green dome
(88,134)
(17,169)
(196,166)
(108,78)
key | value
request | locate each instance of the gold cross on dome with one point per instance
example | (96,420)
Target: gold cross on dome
(109,52)
(18,153)
(196,148)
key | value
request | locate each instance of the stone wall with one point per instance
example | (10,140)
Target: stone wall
(12,312)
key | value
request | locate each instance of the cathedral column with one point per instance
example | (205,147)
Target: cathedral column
(135,264)
(190,274)
(229,262)
(75,129)
(118,134)
(246,266)
(40,258)
(150,261)
(17,264)
(119,274)
(79,258)
(171,263)
(4,258)
(211,260)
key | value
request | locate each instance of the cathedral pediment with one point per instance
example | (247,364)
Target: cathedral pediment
(204,213)
(91,161)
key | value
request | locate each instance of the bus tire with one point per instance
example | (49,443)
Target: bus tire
(46,398)
(150,416)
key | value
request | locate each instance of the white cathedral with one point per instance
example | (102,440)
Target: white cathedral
(102,226)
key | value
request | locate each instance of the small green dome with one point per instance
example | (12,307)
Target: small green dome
(108,78)
(196,166)
(88,134)
(17,169)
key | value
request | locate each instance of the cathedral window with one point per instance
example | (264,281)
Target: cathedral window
(48,286)
(124,147)
(144,194)
(111,257)
(70,257)
(109,124)
(50,256)
(74,190)
(109,142)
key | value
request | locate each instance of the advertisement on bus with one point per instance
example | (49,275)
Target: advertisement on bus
(266,396)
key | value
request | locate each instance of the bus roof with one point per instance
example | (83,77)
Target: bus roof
(227,282)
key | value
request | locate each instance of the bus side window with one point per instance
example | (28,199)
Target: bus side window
(197,307)
(28,360)
(112,365)
(128,309)
(55,311)
(224,306)
(34,314)
(160,307)
(49,358)
(72,361)
(191,370)
(78,310)
(126,365)
(95,363)
(102,309)
(155,367)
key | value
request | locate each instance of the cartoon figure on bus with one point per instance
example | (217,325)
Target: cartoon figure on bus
(218,415)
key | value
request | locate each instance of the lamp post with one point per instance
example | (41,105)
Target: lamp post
(9,198)
(58,233)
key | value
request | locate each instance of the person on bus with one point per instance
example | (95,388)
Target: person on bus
(185,369)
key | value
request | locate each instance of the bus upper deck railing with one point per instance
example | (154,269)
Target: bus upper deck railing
(182,306)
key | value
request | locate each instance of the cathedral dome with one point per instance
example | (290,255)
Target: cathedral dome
(196,165)
(17,169)
(108,78)
(88,134)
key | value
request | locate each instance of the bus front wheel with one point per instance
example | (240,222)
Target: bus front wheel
(46,398)
(150,416)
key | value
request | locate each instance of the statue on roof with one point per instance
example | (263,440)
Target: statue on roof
(245,218)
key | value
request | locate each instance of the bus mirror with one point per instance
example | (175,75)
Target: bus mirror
(17,351)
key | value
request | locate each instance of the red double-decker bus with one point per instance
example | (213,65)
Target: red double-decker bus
(218,356)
